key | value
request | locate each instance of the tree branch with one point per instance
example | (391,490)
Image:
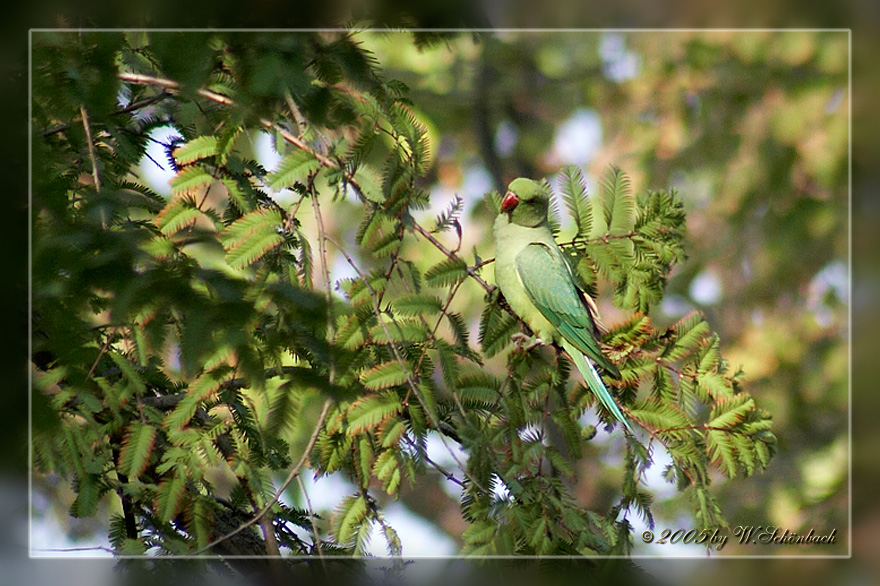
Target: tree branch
(84,115)
(471,271)
(172,86)
(316,535)
(605,238)
(294,472)
(130,108)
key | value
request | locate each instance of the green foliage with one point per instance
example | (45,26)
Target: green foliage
(251,236)
(631,241)
(190,339)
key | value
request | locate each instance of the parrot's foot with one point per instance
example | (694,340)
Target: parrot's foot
(525,342)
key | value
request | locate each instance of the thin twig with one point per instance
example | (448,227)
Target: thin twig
(142,103)
(605,239)
(432,337)
(446,474)
(322,250)
(294,472)
(316,535)
(483,263)
(103,351)
(173,86)
(84,115)
(449,254)
(130,108)
(301,144)
(294,111)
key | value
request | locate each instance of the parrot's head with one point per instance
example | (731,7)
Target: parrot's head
(526,202)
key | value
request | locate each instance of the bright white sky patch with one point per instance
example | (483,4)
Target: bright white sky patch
(618,63)
(264,149)
(155,168)
(326,492)
(500,489)
(706,288)
(49,538)
(444,453)
(475,183)
(418,536)
(442,456)
(578,139)
(654,481)
(340,269)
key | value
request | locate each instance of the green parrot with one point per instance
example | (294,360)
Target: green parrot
(537,283)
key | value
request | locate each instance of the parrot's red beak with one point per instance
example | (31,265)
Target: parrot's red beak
(509,202)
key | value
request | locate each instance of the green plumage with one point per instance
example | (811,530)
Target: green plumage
(538,284)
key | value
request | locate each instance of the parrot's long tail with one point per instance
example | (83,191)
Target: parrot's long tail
(594,381)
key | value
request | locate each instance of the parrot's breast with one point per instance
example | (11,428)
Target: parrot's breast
(510,240)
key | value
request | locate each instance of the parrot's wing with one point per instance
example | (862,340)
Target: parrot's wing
(571,264)
(550,286)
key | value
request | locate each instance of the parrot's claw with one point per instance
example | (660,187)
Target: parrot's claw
(526,342)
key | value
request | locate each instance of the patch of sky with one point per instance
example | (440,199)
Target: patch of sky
(614,441)
(340,269)
(831,280)
(325,492)
(619,64)
(499,489)
(668,549)
(578,138)
(444,451)
(653,477)
(675,305)
(419,537)
(444,454)
(476,182)
(706,288)
(155,168)
(49,539)
(265,151)
(531,432)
